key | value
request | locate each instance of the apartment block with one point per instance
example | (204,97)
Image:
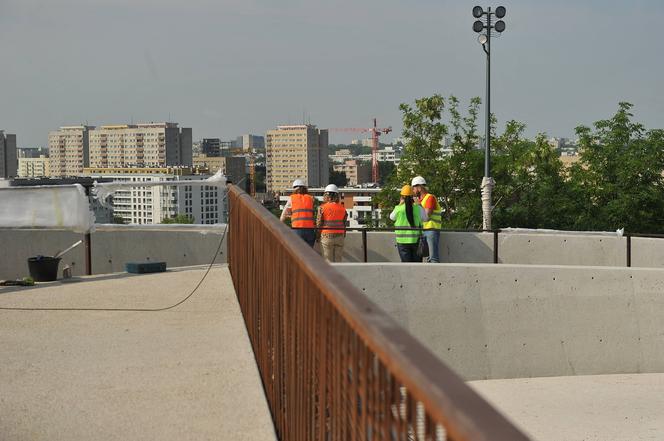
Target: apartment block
(68,150)
(252,142)
(296,151)
(34,167)
(356,172)
(234,167)
(140,145)
(206,204)
(8,159)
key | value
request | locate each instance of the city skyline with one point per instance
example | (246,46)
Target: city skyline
(244,67)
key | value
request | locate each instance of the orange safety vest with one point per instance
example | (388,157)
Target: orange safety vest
(302,211)
(334,215)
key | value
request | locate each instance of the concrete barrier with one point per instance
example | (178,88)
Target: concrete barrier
(112,247)
(577,249)
(515,321)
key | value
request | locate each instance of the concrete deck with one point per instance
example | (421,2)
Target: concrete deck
(582,408)
(182,374)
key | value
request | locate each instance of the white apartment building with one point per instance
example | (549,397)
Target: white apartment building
(298,151)
(206,204)
(68,150)
(34,167)
(140,145)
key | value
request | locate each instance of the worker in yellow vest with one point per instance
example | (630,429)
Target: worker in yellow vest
(332,221)
(300,208)
(432,227)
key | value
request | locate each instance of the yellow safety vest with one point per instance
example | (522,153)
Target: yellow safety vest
(435,218)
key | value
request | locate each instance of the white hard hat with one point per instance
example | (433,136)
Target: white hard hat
(299,183)
(418,180)
(331,189)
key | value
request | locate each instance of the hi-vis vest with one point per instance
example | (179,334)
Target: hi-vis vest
(302,211)
(435,220)
(333,218)
(401,220)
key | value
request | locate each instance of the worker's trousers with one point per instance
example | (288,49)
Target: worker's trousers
(332,246)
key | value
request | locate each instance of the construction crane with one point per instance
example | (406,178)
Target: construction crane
(375,134)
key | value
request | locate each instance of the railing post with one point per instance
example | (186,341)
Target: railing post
(88,254)
(364,245)
(495,246)
(629,250)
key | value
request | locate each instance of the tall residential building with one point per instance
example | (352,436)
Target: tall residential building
(211,147)
(68,150)
(8,159)
(252,142)
(292,152)
(234,167)
(206,204)
(29,167)
(140,145)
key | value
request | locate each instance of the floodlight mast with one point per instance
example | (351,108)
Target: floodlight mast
(485,41)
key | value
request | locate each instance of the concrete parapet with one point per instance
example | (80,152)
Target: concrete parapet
(112,247)
(514,321)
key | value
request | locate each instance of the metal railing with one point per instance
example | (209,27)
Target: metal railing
(333,365)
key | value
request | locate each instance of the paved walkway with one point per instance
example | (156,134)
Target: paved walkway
(582,408)
(182,374)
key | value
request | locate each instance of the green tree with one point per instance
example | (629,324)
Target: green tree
(619,181)
(338,178)
(179,219)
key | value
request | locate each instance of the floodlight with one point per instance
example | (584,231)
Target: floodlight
(482,39)
(478,26)
(501,11)
(500,26)
(478,12)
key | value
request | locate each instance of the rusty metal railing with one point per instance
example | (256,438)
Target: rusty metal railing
(333,365)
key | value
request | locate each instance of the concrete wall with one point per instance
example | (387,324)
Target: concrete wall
(520,248)
(112,247)
(514,321)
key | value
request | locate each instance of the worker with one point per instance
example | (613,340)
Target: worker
(432,227)
(408,214)
(332,223)
(300,208)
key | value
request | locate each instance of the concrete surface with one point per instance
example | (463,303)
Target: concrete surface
(514,321)
(183,374)
(112,247)
(584,408)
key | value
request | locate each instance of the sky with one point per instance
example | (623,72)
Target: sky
(229,67)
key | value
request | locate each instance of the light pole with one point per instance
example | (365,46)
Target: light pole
(485,24)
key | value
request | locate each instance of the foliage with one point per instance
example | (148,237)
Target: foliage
(617,183)
(118,219)
(338,178)
(179,219)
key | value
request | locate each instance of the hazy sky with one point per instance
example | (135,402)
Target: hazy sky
(227,67)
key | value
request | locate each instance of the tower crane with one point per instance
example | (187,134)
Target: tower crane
(375,134)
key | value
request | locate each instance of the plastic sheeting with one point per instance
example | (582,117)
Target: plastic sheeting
(58,206)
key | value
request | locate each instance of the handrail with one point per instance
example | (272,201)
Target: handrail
(335,366)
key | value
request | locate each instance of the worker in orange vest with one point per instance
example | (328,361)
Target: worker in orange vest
(332,223)
(300,208)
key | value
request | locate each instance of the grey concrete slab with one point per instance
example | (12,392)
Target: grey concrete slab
(183,374)
(512,321)
(583,408)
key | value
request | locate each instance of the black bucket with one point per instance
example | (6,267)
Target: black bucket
(43,268)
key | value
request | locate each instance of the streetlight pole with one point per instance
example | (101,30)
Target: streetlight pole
(485,40)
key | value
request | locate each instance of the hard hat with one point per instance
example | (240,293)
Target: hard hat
(331,189)
(418,180)
(299,183)
(406,190)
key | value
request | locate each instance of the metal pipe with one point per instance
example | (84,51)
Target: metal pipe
(364,244)
(495,246)
(88,254)
(629,250)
